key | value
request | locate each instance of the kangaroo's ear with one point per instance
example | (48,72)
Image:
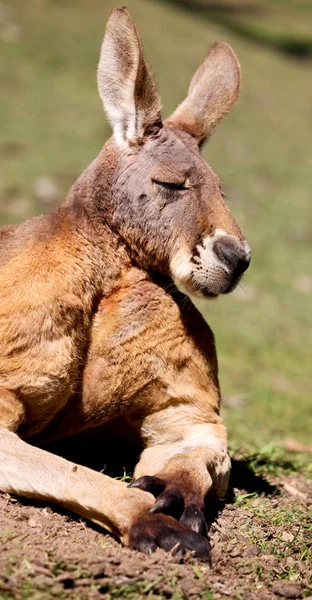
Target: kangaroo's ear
(212,93)
(126,84)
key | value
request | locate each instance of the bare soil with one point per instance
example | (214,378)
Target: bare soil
(261,543)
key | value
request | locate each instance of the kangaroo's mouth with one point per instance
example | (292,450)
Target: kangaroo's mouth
(204,286)
(215,267)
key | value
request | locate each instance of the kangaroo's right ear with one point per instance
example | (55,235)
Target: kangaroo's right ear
(126,84)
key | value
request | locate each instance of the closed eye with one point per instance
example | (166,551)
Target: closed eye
(176,186)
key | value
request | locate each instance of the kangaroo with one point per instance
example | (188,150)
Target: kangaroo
(94,327)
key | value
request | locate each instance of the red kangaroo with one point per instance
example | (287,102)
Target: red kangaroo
(90,330)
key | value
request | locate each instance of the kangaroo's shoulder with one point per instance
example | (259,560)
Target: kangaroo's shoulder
(28,239)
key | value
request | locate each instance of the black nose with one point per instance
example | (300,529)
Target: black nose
(233,255)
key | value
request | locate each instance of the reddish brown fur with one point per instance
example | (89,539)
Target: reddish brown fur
(92,327)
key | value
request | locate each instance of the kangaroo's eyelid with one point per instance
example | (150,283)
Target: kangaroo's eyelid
(174,185)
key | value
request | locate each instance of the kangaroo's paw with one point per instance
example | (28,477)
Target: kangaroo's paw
(173,500)
(181,483)
(154,531)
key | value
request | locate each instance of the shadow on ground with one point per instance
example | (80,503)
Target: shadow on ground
(117,458)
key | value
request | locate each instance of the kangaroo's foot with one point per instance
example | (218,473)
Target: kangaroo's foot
(180,476)
(171,499)
(154,531)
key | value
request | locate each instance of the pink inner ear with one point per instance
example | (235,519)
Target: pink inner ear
(126,85)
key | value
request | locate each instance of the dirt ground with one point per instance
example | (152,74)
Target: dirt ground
(261,549)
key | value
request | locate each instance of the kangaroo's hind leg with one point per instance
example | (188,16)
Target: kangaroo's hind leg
(29,471)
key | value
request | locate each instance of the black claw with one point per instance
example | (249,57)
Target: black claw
(146,544)
(169,539)
(177,550)
(194,518)
(154,485)
(198,545)
(169,502)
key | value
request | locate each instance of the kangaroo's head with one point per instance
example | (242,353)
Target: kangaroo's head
(167,202)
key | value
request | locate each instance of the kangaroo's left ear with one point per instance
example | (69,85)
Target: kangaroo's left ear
(212,93)
(126,84)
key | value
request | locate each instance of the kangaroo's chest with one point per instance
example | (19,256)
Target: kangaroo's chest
(140,347)
(141,340)
(135,334)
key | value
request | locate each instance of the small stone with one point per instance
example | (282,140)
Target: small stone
(83,581)
(235,552)
(286,589)
(32,522)
(47,511)
(287,537)
(253,551)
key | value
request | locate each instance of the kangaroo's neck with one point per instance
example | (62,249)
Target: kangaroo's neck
(89,206)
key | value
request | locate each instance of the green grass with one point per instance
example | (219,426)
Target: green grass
(52,124)
(273,460)
(295,517)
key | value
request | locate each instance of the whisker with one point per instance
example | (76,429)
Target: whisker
(230,175)
(170,287)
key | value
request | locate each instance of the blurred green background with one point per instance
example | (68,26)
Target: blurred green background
(52,126)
